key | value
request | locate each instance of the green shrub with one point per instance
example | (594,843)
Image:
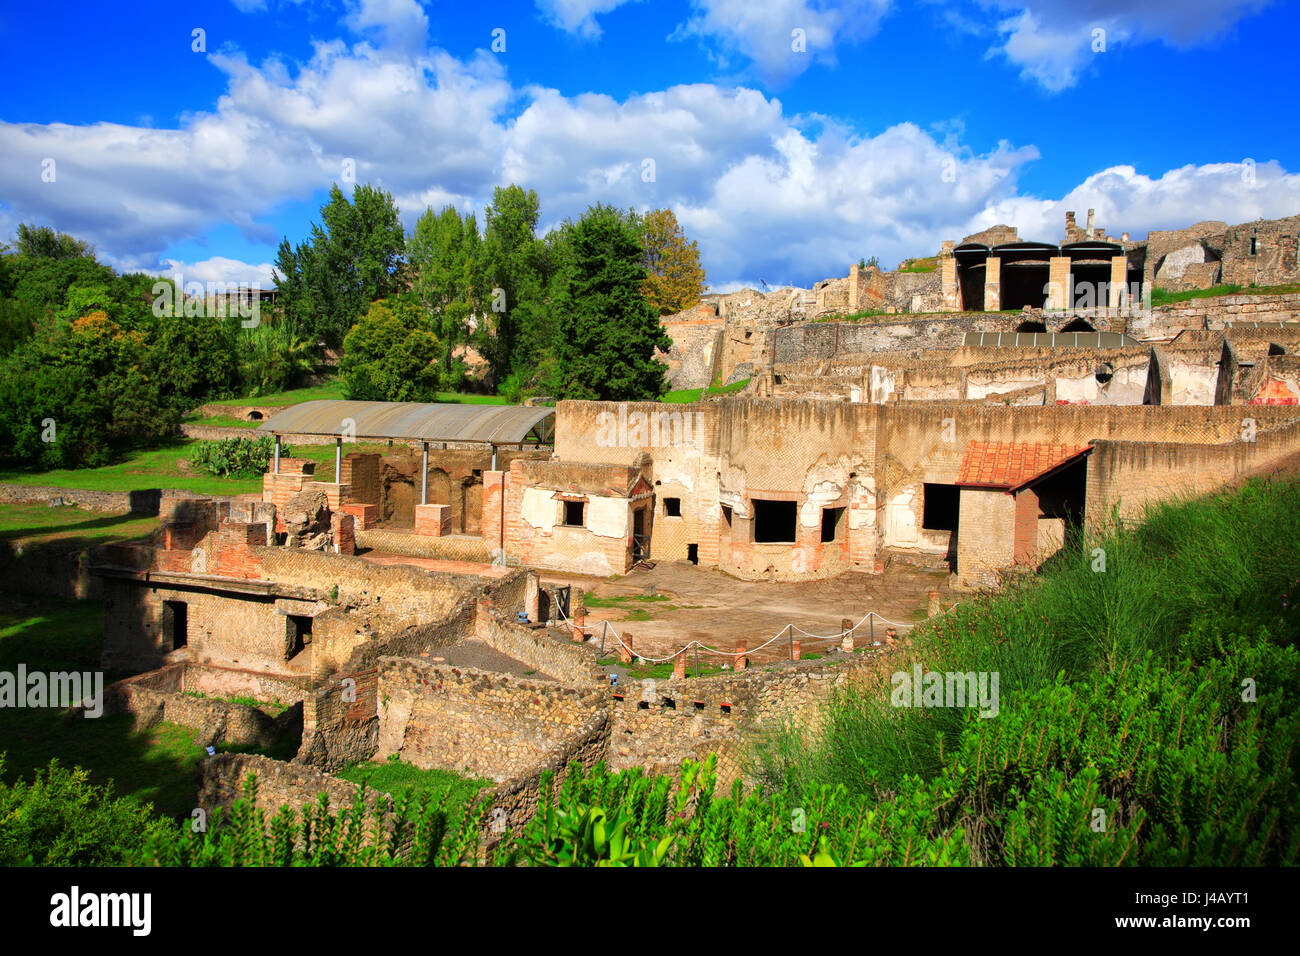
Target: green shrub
(235,457)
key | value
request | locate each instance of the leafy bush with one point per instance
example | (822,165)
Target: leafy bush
(235,457)
(59,819)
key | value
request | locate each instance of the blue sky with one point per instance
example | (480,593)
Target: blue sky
(790,137)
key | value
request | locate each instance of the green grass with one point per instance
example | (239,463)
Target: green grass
(621,601)
(43,523)
(333,389)
(686,396)
(169,468)
(1164,297)
(273,708)
(395,777)
(664,670)
(920,265)
(157,766)
(219,421)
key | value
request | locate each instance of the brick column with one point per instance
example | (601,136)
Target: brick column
(1059,292)
(532,597)
(740,664)
(578,614)
(855,276)
(625,653)
(679,667)
(992,284)
(1118,281)
(493,498)
(949,289)
(798,651)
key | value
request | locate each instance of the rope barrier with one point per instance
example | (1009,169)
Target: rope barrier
(788,629)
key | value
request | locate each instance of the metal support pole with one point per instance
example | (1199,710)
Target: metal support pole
(871,619)
(338,460)
(494,457)
(424,476)
(604,629)
(276,469)
(697,660)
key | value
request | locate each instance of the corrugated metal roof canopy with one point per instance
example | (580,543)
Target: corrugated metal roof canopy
(489,424)
(1076,340)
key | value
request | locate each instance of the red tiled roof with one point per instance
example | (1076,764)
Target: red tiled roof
(1011,465)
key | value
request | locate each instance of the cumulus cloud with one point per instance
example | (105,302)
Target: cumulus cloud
(781,38)
(768,195)
(1052,41)
(578,16)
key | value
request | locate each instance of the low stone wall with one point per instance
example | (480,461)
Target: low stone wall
(1215,313)
(518,798)
(146,501)
(540,649)
(475,722)
(164,695)
(278,783)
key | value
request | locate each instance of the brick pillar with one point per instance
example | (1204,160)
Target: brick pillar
(433,520)
(992,284)
(578,614)
(950,290)
(625,649)
(741,663)
(1060,295)
(490,525)
(798,651)
(532,597)
(1118,282)
(679,666)
(342,531)
(855,276)
(934,604)
(846,643)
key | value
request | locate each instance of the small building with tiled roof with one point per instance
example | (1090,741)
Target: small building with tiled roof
(1017,502)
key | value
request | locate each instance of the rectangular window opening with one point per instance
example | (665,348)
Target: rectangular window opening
(673,507)
(832,523)
(573,513)
(693,553)
(940,507)
(176,623)
(774,521)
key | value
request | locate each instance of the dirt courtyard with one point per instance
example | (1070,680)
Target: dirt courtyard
(666,607)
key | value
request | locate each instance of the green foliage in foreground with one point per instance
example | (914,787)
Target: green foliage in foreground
(235,457)
(1148,716)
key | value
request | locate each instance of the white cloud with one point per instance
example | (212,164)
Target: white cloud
(1053,41)
(402,25)
(217,269)
(768,195)
(764,33)
(578,16)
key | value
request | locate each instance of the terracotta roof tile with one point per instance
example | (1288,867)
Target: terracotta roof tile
(1010,465)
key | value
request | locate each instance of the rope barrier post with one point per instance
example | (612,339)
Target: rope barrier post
(679,665)
(740,656)
(697,660)
(604,629)
(789,636)
(872,618)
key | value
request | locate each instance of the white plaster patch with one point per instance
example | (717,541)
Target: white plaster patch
(607,517)
(540,509)
(900,519)
(822,495)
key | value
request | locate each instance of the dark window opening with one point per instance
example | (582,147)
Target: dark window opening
(1078,325)
(573,513)
(831,522)
(940,508)
(693,553)
(176,623)
(673,507)
(774,521)
(1254,245)
(299,635)
(642,705)
(670,703)
(1031,327)
(726,514)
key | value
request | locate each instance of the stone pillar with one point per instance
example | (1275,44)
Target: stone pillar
(992,284)
(490,525)
(797,651)
(934,604)
(532,597)
(1059,292)
(625,652)
(433,520)
(679,666)
(846,644)
(949,289)
(578,614)
(1118,282)
(740,664)
(342,531)
(891,635)
(855,276)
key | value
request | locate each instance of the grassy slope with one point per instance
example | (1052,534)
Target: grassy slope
(1162,297)
(43,523)
(686,396)
(1120,687)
